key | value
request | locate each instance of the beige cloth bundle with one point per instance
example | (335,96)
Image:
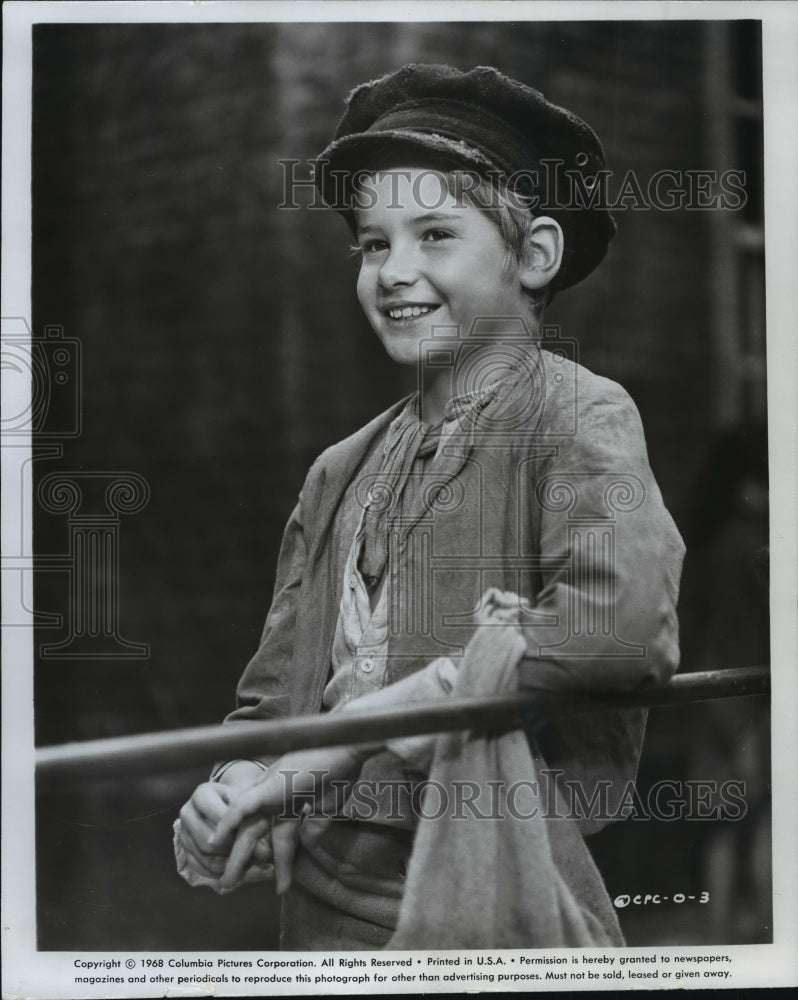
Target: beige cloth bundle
(513,879)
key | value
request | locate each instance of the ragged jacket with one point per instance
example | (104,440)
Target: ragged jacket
(547,492)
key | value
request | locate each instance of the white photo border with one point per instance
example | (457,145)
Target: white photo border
(27,972)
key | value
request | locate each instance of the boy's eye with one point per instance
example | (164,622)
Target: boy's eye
(374,246)
(436,235)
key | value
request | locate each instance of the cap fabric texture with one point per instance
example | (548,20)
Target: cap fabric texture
(483,121)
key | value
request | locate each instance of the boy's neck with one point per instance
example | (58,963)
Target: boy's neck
(435,391)
(438,385)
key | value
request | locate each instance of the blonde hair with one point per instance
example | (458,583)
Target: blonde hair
(508,210)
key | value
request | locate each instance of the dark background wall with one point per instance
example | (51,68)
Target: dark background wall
(223,349)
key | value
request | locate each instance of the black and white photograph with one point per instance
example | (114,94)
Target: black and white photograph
(398,459)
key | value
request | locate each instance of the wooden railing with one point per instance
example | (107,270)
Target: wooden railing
(122,756)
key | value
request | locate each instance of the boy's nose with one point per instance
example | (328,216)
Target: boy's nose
(398,268)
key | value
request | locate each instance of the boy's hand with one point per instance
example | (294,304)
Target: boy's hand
(284,838)
(305,773)
(198,818)
(203,862)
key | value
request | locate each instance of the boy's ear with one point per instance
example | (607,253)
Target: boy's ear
(542,255)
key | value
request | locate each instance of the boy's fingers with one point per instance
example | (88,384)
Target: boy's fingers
(232,819)
(202,812)
(241,852)
(209,864)
(266,796)
(314,828)
(210,800)
(258,873)
(191,820)
(285,834)
(196,836)
(262,852)
(237,862)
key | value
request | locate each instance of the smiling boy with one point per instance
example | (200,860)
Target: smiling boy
(505,508)
(431,260)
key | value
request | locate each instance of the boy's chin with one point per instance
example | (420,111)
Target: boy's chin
(408,357)
(405,348)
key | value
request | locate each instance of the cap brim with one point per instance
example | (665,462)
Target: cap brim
(363,152)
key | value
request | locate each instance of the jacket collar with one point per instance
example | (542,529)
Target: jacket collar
(338,466)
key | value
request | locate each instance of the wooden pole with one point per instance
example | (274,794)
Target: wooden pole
(185,748)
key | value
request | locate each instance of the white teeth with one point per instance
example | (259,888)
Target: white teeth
(408,312)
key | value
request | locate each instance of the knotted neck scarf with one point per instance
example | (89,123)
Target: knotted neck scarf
(408,441)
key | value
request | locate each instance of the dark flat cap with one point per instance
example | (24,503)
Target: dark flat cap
(483,121)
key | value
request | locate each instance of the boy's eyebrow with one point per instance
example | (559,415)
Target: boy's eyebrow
(437,217)
(416,220)
(365,230)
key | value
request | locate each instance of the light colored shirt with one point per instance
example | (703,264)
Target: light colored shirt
(360,645)
(359,658)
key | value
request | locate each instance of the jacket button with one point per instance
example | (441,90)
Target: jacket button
(367,666)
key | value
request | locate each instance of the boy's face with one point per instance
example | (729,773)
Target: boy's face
(428,260)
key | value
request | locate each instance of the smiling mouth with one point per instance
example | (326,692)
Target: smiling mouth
(409,312)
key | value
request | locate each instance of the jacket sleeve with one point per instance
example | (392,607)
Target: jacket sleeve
(612,559)
(263,689)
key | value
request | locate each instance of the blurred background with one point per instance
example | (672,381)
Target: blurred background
(221,348)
